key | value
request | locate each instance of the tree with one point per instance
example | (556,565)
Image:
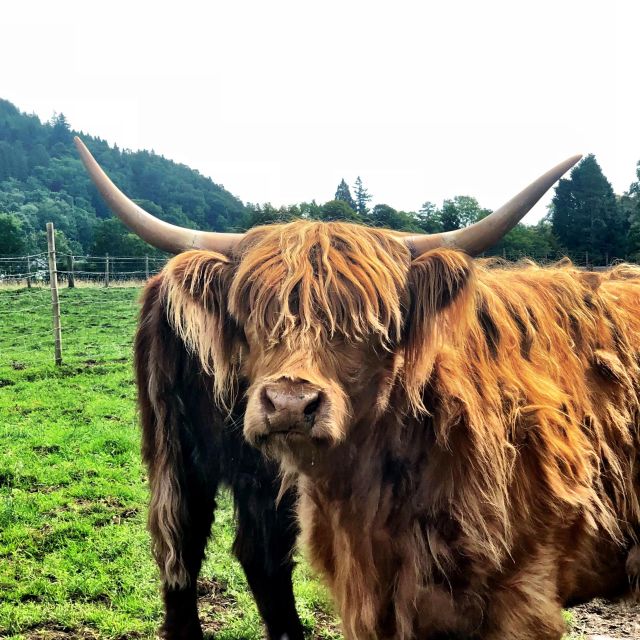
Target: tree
(527,241)
(43,180)
(268,214)
(60,130)
(630,206)
(429,218)
(586,216)
(64,246)
(343,194)
(11,235)
(461,212)
(112,237)
(382,215)
(338,210)
(362,197)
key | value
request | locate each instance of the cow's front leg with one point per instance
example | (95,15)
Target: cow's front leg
(264,545)
(181,614)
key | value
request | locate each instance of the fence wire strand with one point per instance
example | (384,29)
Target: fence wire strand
(26,335)
(110,285)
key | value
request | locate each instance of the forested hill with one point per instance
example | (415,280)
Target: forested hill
(42,180)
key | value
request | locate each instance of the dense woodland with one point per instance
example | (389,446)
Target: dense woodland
(42,180)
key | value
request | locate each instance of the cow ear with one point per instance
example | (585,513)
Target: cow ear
(195,288)
(441,286)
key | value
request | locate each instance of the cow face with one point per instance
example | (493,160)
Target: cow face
(318,321)
(322,308)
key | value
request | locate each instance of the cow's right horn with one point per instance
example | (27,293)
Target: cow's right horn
(485,233)
(158,233)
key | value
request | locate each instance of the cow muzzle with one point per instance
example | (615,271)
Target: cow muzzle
(295,415)
(290,407)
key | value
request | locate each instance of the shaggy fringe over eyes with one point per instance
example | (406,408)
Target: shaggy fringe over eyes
(317,280)
(195,288)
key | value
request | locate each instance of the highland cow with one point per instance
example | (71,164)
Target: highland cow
(464,436)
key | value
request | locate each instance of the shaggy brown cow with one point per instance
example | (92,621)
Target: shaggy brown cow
(189,452)
(464,437)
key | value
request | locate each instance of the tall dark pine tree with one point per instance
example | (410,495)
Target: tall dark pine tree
(343,193)
(586,216)
(60,132)
(362,197)
(630,204)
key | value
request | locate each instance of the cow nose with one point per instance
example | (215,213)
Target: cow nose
(299,401)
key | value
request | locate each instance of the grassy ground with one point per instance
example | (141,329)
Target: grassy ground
(74,552)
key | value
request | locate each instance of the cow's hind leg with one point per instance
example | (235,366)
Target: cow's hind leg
(264,546)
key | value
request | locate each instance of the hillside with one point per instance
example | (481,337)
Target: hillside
(42,180)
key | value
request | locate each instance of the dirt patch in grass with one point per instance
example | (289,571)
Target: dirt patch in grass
(213,601)
(325,624)
(616,620)
(56,632)
(46,449)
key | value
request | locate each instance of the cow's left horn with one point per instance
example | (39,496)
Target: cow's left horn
(158,233)
(482,235)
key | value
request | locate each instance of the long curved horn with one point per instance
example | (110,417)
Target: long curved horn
(158,233)
(482,235)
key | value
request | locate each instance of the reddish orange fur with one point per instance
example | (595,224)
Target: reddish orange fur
(487,472)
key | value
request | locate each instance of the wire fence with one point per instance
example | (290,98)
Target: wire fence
(97,327)
(73,270)
(582,259)
(79,270)
(43,310)
(61,308)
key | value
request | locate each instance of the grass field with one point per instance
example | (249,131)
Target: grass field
(74,552)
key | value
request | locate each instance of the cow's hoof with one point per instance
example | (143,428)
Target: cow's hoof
(189,631)
(297,634)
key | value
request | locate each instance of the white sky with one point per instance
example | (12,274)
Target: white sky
(279,100)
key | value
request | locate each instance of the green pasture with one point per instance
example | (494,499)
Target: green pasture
(74,551)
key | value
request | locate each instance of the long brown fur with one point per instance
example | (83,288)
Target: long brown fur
(520,494)
(497,470)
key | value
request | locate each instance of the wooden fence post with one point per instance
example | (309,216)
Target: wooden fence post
(28,272)
(55,302)
(72,280)
(146,267)
(106,270)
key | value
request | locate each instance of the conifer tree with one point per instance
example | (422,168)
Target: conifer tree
(586,216)
(630,204)
(343,193)
(362,197)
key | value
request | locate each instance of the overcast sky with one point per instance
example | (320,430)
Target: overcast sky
(278,101)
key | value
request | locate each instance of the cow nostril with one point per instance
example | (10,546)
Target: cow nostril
(281,400)
(267,402)
(312,407)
